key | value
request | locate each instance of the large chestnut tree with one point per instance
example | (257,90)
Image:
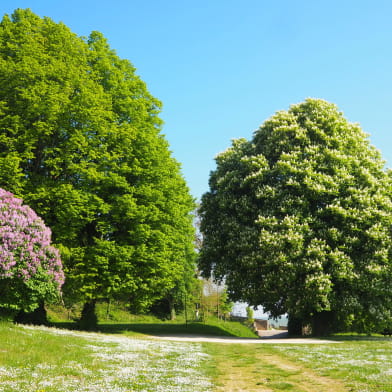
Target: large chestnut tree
(298,220)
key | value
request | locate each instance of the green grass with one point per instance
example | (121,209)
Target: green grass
(25,353)
(50,360)
(118,320)
(212,328)
(364,363)
(355,364)
(53,360)
(249,368)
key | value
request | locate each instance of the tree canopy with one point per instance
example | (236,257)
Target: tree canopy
(30,268)
(81,142)
(298,220)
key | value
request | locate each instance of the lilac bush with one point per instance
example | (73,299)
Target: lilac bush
(30,268)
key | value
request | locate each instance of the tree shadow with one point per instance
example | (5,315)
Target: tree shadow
(154,329)
(359,338)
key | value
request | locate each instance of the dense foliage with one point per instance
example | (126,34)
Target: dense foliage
(299,220)
(30,268)
(80,141)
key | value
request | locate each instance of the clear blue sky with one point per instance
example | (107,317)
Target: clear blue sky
(222,67)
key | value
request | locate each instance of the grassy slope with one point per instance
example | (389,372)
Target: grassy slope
(211,327)
(120,321)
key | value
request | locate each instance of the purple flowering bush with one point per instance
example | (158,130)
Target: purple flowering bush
(30,268)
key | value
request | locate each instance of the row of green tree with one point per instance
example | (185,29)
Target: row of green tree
(298,219)
(81,144)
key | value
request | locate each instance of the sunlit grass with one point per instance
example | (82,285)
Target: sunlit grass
(352,365)
(364,363)
(57,360)
(249,367)
(51,360)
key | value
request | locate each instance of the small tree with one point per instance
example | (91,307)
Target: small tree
(250,314)
(30,268)
(226,306)
(213,300)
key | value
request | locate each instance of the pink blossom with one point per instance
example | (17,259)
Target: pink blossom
(25,250)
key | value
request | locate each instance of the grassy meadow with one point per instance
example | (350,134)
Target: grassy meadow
(122,357)
(354,364)
(40,359)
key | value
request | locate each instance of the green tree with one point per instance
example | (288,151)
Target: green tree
(213,300)
(249,314)
(181,298)
(299,220)
(81,142)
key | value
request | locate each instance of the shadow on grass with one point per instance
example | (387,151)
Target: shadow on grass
(359,338)
(154,329)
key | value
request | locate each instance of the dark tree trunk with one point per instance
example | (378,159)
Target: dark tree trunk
(7,314)
(88,319)
(108,309)
(294,326)
(323,323)
(37,317)
(172,310)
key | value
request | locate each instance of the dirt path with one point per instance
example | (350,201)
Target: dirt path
(271,373)
(243,367)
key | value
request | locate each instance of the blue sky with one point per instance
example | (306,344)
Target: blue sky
(222,67)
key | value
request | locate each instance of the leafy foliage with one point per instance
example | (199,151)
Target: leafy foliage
(30,268)
(298,219)
(80,141)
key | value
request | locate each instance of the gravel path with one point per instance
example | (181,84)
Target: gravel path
(231,340)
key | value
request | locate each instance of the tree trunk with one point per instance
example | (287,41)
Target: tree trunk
(172,309)
(88,319)
(7,314)
(323,323)
(37,317)
(108,309)
(294,326)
